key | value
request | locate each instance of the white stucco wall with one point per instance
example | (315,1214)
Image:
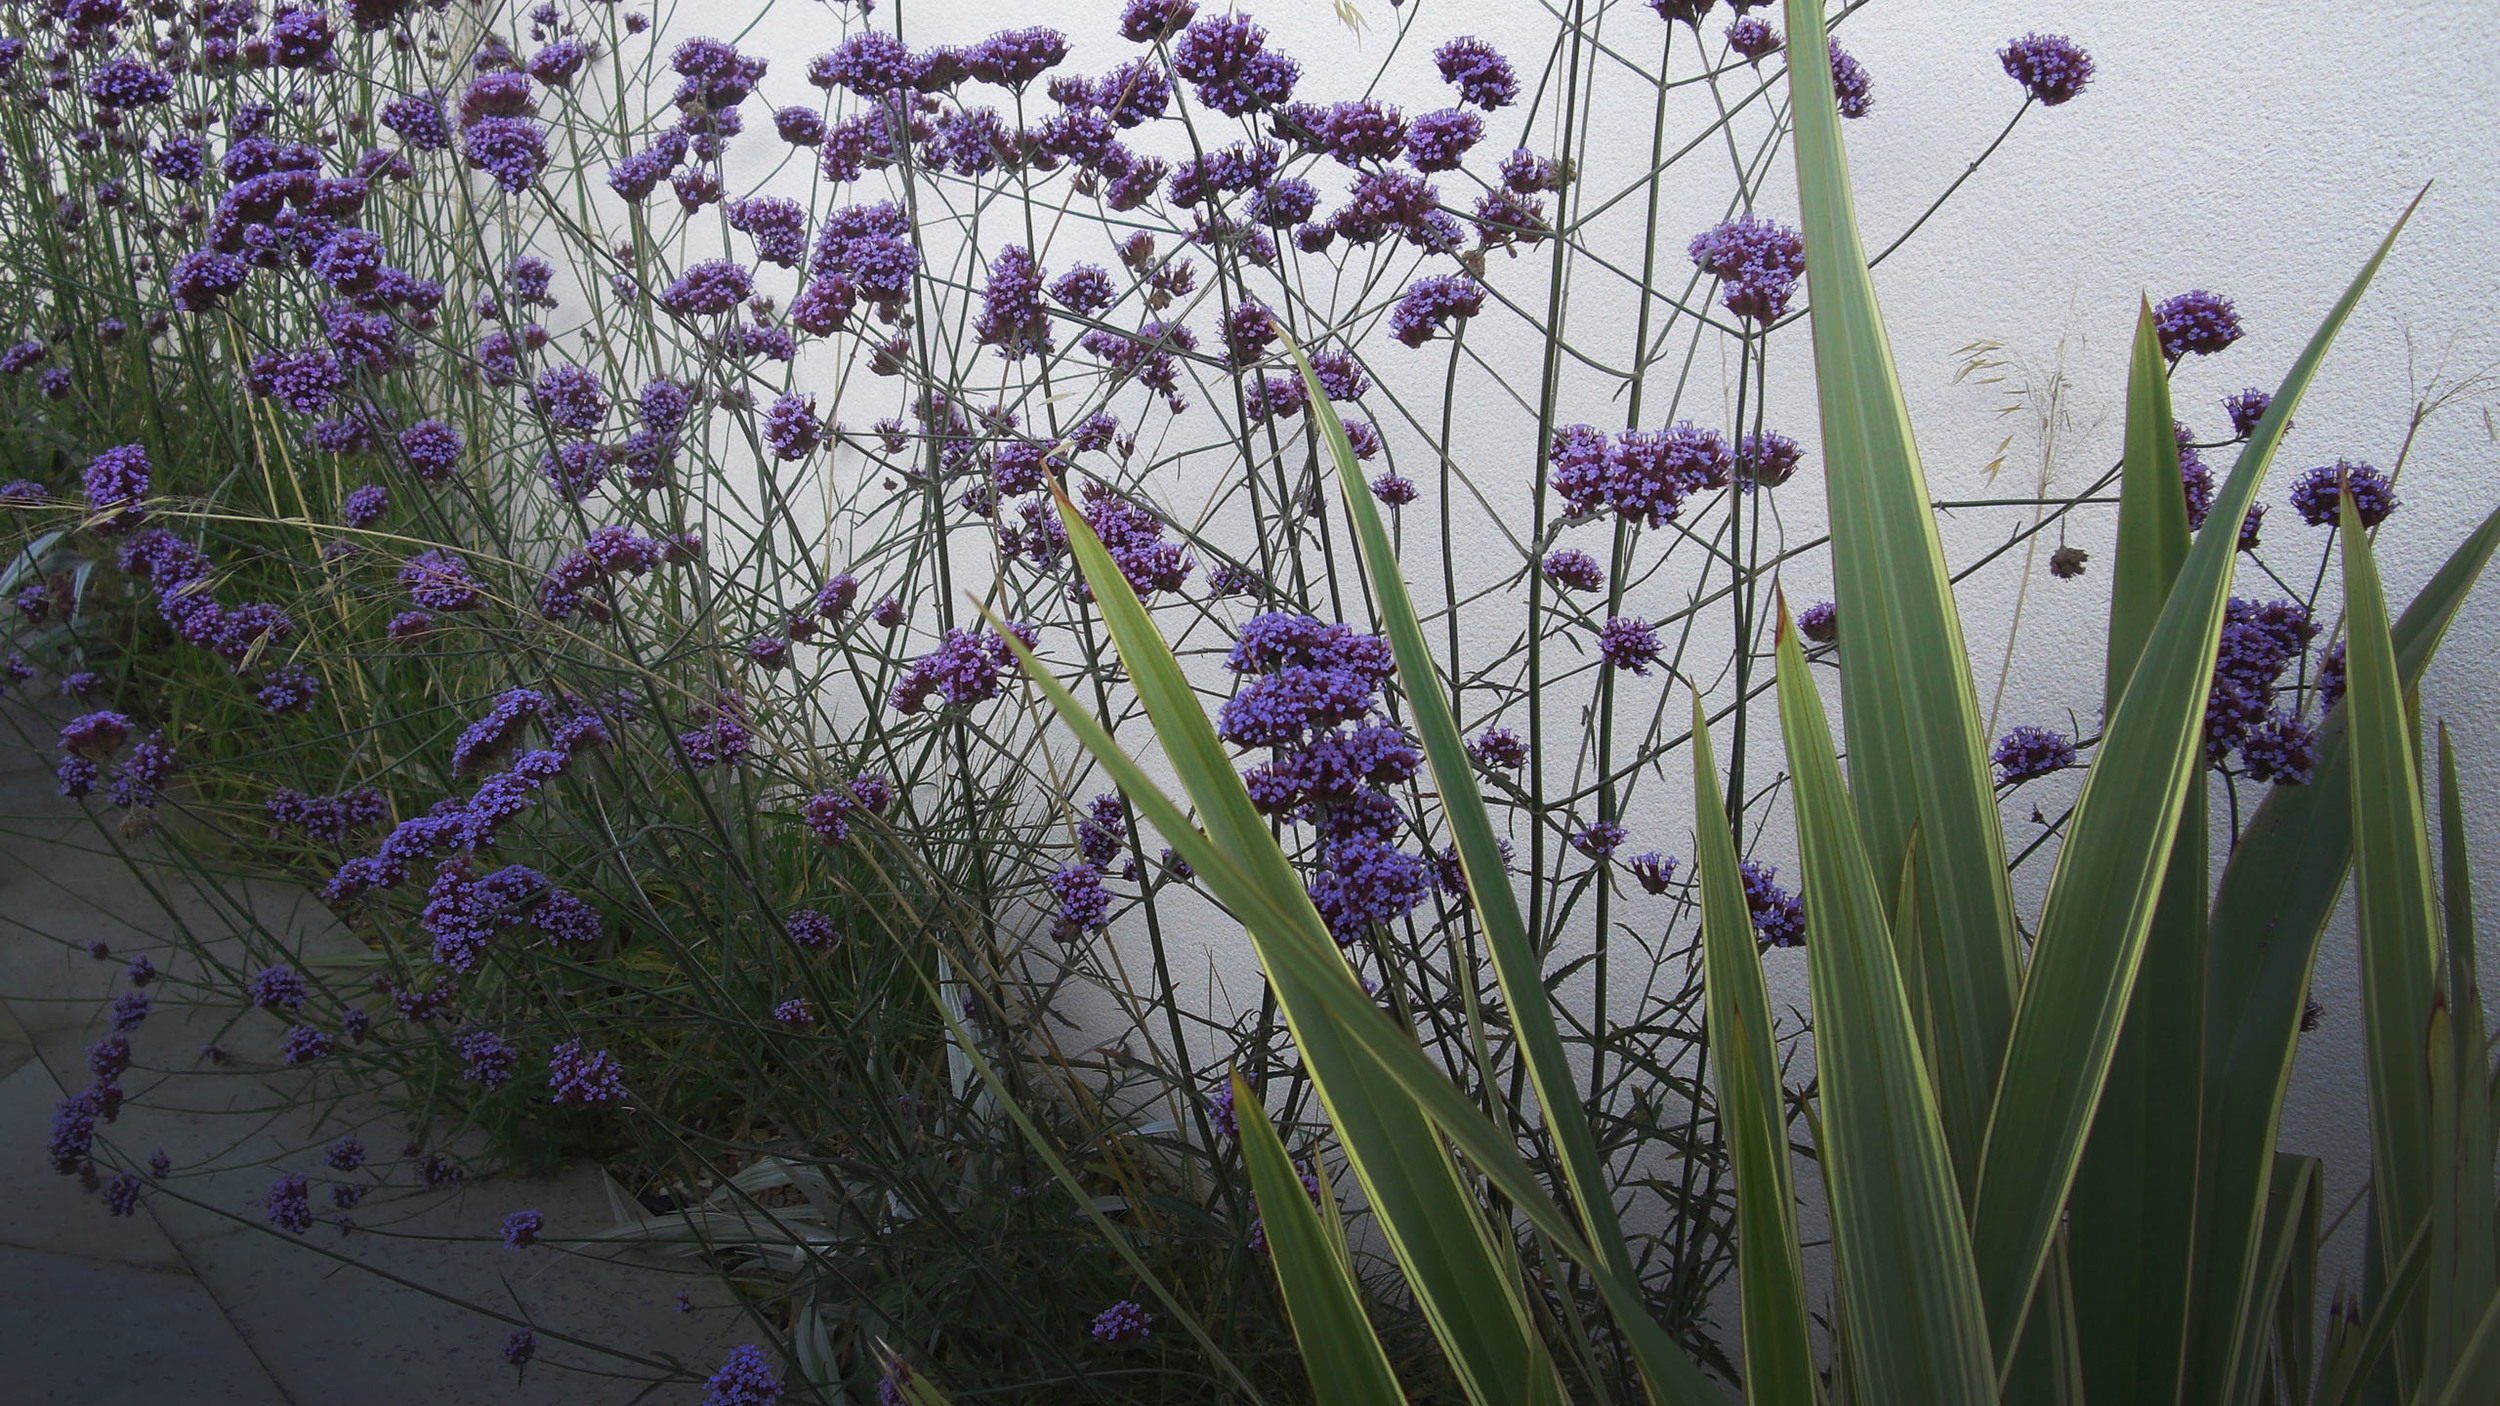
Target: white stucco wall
(2256,149)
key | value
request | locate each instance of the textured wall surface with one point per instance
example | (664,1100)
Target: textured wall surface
(2258,150)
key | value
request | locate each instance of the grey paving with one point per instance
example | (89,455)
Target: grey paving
(196,1298)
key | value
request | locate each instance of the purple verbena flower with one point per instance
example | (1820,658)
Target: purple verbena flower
(1124,1322)
(2314,494)
(2195,321)
(2051,67)
(1628,643)
(584,1077)
(2028,752)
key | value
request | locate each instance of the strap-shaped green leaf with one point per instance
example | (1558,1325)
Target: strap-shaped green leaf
(2262,941)
(1339,1349)
(2131,1208)
(1506,938)
(1916,757)
(2104,888)
(2398,921)
(1426,1212)
(1348,1045)
(2152,512)
(1901,1249)
(1770,1270)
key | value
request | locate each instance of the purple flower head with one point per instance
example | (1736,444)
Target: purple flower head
(288,1204)
(716,76)
(557,63)
(127,83)
(2283,750)
(2314,493)
(513,150)
(1779,919)
(584,1077)
(708,289)
(520,1229)
(2246,409)
(1628,643)
(115,481)
(95,735)
(345,1155)
(2051,67)
(302,39)
(1574,570)
(1393,490)
(1850,85)
(811,929)
(486,1058)
(1481,75)
(791,427)
(1013,58)
(745,1379)
(1599,839)
(870,63)
(1648,475)
(1226,59)
(1820,622)
(1438,141)
(121,1195)
(1498,749)
(350,261)
(1124,1322)
(1012,318)
(2195,321)
(131,1009)
(304,381)
(303,1045)
(520,1347)
(432,449)
(418,120)
(366,506)
(572,397)
(2029,752)
(1145,21)
(1757,263)
(1431,303)
(1654,871)
(794,1014)
(73,1132)
(800,126)
(2331,678)
(1084,904)
(635,177)
(440,581)
(1753,37)
(1766,460)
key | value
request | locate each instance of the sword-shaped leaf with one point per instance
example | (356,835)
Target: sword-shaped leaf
(1770,1273)
(2399,927)
(2104,888)
(1916,757)
(1506,938)
(1339,1349)
(2262,941)
(1901,1249)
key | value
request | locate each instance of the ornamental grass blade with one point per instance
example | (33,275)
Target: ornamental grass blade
(1770,1272)
(2105,886)
(1916,757)
(1367,1068)
(1902,1252)
(2277,891)
(1425,1209)
(2462,1277)
(2130,1212)
(2397,918)
(1506,938)
(1340,1351)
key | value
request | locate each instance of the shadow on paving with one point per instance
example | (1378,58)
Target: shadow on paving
(196,1298)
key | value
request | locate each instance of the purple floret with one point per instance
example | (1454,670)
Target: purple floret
(1481,75)
(745,1378)
(2051,67)
(1431,303)
(1628,643)
(1757,262)
(2030,751)
(2314,494)
(2196,321)
(1124,1322)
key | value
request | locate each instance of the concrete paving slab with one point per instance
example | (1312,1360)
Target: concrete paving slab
(88,1332)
